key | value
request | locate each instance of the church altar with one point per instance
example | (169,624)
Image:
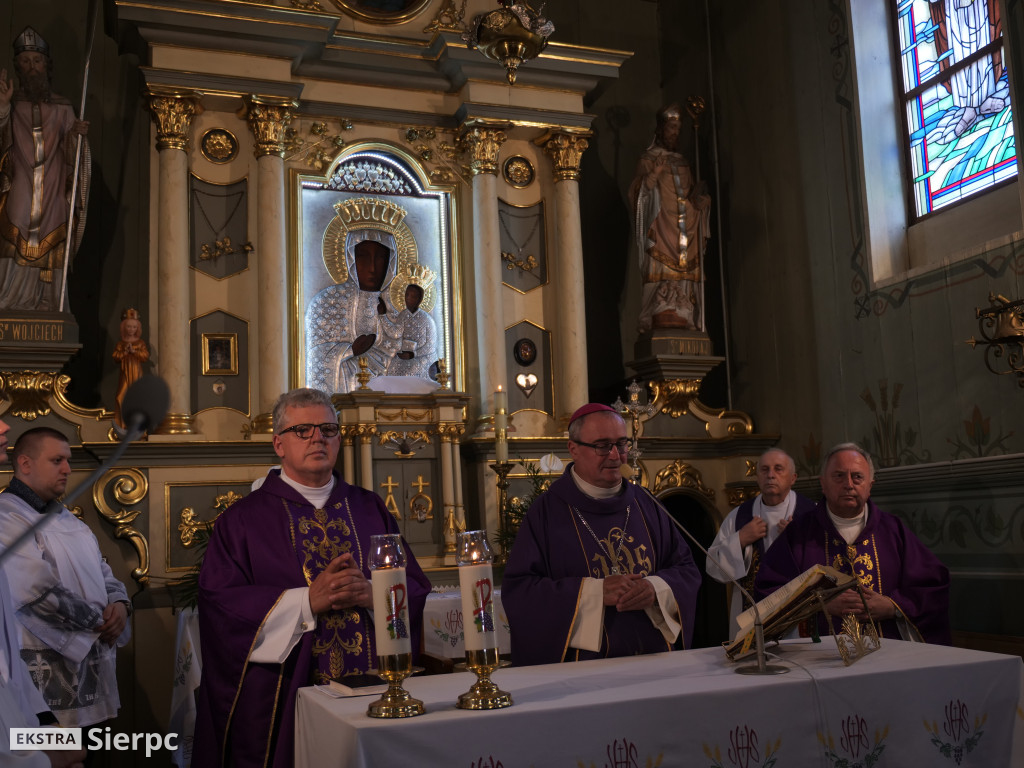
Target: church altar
(920,704)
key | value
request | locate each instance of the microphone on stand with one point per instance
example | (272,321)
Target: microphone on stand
(144,407)
(761,668)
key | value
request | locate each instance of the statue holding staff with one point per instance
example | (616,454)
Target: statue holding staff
(671,211)
(39,138)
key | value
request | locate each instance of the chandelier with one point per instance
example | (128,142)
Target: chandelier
(512,34)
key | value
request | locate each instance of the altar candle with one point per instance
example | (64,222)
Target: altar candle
(476,583)
(500,426)
(390,611)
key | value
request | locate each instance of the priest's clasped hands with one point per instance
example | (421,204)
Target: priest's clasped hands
(340,585)
(628,592)
(879,606)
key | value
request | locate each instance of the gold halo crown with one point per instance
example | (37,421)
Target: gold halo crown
(130,313)
(421,275)
(371,213)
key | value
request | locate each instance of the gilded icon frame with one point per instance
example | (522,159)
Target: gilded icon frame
(426,234)
(220,354)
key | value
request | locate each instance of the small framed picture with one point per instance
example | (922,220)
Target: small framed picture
(220,354)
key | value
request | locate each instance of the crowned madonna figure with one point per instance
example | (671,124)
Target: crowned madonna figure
(354,318)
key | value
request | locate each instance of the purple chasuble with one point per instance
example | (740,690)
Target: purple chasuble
(886,556)
(270,541)
(554,552)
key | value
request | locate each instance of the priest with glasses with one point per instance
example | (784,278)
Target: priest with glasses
(284,592)
(597,568)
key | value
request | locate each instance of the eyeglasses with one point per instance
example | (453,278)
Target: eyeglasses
(603,449)
(305,431)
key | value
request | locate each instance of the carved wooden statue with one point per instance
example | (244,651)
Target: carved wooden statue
(131,352)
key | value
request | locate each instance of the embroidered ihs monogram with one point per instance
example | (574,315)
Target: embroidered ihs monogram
(633,558)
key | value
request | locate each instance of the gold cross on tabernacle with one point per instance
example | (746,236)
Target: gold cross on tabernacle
(419,484)
(389,501)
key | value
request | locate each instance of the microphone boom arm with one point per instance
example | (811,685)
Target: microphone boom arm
(145,405)
(762,667)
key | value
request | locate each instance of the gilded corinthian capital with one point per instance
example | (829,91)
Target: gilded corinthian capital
(172,111)
(566,150)
(483,144)
(268,120)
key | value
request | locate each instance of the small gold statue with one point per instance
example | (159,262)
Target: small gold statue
(131,351)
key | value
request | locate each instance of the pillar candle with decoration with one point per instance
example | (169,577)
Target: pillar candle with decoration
(476,583)
(390,595)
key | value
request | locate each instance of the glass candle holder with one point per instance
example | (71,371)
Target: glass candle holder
(391,626)
(474,557)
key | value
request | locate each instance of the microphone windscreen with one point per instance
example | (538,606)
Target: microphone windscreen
(626,471)
(145,403)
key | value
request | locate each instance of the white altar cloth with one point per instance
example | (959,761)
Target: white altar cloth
(907,703)
(443,631)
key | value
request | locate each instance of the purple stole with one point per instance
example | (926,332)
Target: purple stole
(744,515)
(319,536)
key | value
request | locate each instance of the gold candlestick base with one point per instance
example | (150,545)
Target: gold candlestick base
(501,469)
(484,694)
(395,701)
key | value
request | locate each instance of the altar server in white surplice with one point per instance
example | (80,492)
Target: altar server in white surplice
(752,527)
(21,706)
(73,611)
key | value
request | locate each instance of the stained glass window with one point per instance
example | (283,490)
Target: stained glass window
(956,99)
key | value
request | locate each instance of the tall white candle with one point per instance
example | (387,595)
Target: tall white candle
(500,425)
(477,585)
(390,611)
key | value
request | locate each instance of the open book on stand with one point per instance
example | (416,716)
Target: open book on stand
(798,600)
(358,685)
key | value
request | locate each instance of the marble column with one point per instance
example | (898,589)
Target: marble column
(460,510)
(447,495)
(268,119)
(172,112)
(366,434)
(570,340)
(348,454)
(483,143)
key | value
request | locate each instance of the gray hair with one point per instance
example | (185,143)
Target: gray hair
(849,447)
(577,426)
(299,398)
(789,459)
